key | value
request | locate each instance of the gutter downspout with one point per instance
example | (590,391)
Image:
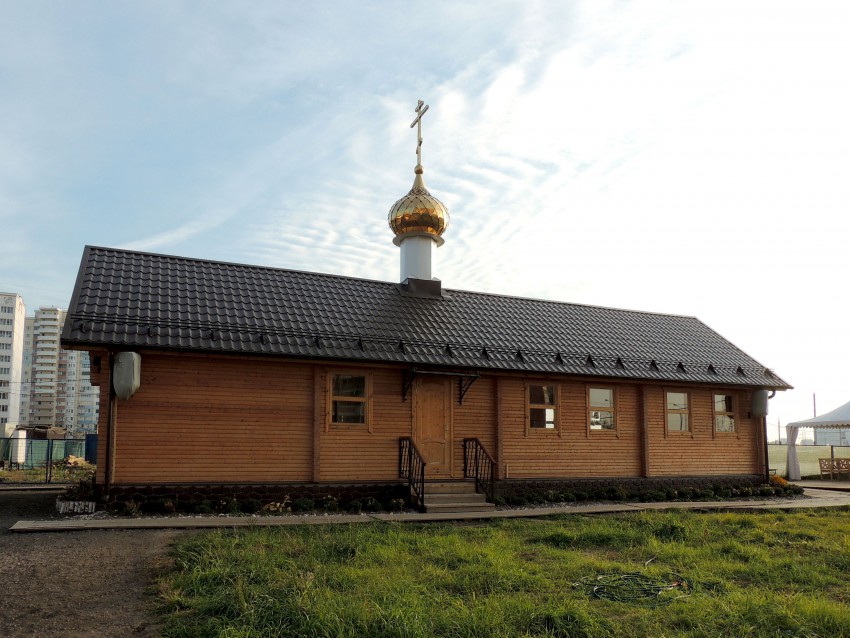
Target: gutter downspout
(645,428)
(110,427)
(764,438)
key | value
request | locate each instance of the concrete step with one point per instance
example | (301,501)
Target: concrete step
(449,487)
(459,507)
(453,497)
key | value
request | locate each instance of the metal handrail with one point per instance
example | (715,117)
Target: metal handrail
(411,465)
(478,464)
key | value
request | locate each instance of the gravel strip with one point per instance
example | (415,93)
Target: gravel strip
(75,584)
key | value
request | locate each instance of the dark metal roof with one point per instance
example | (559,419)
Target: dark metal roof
(127,299)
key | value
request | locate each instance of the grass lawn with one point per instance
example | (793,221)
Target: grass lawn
(751,574)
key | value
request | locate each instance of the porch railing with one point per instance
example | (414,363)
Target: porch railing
(478,464)
(411,466)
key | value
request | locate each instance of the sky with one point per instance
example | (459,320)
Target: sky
(686,158)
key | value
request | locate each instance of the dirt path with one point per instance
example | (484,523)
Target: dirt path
(75,584)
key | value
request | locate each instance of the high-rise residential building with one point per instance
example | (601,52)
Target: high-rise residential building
(43,374)
(12,315)
(77,401)
(60,393)
(26,371)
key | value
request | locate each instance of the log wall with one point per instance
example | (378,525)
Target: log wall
(569,450)
(357,452)
(701,452)
(475,418)
(217,419)
(195,420)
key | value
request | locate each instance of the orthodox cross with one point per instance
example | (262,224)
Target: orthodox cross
(421,108)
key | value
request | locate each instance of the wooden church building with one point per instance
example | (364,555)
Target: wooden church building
(228,378)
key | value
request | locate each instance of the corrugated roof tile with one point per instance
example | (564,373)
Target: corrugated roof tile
(119,294)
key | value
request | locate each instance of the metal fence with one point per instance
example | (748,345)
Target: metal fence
(42,460)
(808,456)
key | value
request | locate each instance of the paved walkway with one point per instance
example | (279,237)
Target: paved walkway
(33,487)
(841,486)
(833,497)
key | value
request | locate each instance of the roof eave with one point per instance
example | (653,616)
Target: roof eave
(589,373)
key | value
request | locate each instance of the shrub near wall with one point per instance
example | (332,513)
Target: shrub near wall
(534,492)
(232,499)
(372,497)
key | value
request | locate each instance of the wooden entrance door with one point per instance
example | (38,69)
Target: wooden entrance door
(432,418)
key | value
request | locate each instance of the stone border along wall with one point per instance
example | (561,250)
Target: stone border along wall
(185,494)
(619,488)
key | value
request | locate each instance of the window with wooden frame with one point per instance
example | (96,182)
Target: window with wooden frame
(678,411)
(349,400)
(542,404)
(601,409)
(724,414)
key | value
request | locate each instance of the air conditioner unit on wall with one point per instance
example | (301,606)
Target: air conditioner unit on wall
(126,374)
(759,406)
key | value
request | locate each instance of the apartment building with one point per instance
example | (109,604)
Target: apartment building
(60,394)
(77,401)
(12,316)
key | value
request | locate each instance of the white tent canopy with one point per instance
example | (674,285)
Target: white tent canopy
(838,418)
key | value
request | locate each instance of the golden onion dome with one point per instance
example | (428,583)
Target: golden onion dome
(418,212)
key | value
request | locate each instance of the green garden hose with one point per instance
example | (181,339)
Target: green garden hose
(636,588)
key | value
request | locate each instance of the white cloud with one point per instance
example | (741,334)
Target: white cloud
(663,156)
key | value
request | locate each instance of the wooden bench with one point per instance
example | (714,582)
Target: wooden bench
(834,467)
